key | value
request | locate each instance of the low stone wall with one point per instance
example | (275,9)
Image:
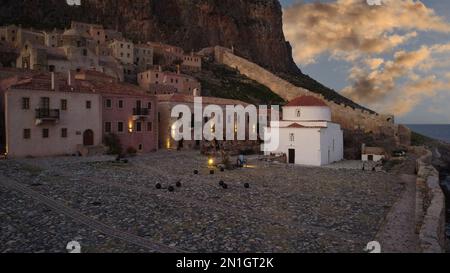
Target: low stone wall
(430,202)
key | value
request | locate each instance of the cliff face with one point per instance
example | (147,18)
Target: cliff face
(253,27)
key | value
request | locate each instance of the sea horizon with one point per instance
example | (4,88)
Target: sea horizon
(435,131)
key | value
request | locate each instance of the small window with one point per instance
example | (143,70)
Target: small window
(299,113)
(88,104)
(26,133)
(140,147)
(138,126)
(120,127)
(108,103)
(149,126)
(149,106)
(25,103)
(64,132)
(120,103)
(107,127)
(292,137)
(45,133)
(64,105)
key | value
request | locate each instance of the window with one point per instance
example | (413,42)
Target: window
(45,103)
(64,132)
(108,103)
(107,127)
(292,137)
(64,105)
(26,133)
(45,133)
(120,103)
(25,103)
(51,68)
(149,106)
(299,113)
(140,147)
(149,126)
(120,127)
(88,104)
(138,126)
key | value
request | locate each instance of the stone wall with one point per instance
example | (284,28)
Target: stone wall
(348,117)
(430,205)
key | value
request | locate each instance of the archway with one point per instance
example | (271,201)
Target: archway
(88,138)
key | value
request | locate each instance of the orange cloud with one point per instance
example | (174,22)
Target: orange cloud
(347,28)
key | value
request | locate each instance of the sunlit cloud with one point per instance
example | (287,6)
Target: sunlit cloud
(383,76)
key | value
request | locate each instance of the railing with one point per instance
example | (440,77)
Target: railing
(44,113)
(141,112)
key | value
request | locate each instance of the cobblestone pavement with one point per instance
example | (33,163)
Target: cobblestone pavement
(286,208)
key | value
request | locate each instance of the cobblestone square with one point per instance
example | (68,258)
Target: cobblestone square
(115,207)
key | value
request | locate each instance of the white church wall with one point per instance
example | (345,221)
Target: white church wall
(307,113)
(331,144)
(306,144)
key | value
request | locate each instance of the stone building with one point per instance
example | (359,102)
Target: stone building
(152,81)
(306,134)
(49,116)
(192,62)
(143,57)
(77,52)
(165,106)
(53,38)
(123,50)
(17,36)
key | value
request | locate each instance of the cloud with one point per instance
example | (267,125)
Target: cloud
(397,86)
(383,76)
(349,28)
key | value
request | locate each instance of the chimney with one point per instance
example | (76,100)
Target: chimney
(178,69)
(71,75)
(160,68)
(363,148)
(196,92)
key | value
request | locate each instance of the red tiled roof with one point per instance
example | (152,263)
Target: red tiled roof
(306,101)
(42,82)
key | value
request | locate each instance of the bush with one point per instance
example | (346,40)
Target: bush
(112,141)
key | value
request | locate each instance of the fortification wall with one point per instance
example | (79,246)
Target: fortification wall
(430,205)
(348,117)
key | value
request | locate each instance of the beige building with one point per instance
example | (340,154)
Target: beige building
(192,62)
(48,117)
(123,50)
(74,54)
(53,38)
(18,36)
(180,83)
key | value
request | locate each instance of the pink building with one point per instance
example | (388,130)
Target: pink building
(129,113)
(47,115)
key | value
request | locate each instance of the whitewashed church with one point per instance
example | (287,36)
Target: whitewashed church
(306,134)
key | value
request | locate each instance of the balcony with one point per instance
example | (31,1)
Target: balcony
(140,113)
(44,115)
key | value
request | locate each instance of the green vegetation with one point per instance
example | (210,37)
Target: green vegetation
(420,140)
(224,82)
(112,141)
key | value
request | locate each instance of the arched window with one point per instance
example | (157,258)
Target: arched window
(299,113)
(292,137)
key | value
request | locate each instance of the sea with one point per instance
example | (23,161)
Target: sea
(440,132)
(436,131)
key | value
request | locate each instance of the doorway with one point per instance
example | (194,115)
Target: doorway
(88,138)
(291,156)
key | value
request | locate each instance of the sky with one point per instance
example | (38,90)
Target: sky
(393,58)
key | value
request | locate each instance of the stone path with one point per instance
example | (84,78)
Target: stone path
(81,218)
(398,235)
